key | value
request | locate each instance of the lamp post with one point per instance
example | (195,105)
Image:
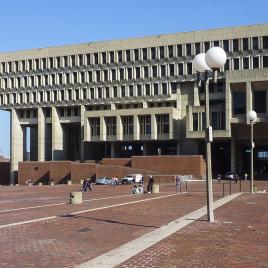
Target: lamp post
(214,59)
(251,117)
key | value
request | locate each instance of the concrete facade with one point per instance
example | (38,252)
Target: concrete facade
(137,96)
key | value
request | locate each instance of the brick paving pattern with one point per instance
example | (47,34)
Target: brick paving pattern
(68,240)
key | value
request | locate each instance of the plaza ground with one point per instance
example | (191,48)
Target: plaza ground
(39,228)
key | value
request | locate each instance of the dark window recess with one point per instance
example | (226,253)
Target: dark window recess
(255,43)
(164,88)
(171,69)
(179,50)
(96,58)
(144,53)
(121,73)
(123,91)
(155,89)
(163,70)
(146,71)
(153,53)
(226,45)
(103,57)
(214,120)
(130,88)
(195,121)
(180,65)
(189,68)
(260,101)
(128,55)
(197,48)
(255,62)
(211,87)
(139,90)
(120,57)
(206,46)
(216,43)
(154,71)
(136,54)
(265,42)
(138,72)
(245,43)
(112,57)
(115,92)
(162,52)
(147,90)
(188,49)
(170,51)
(220,86)
(245,63)
(235,45)
(265,61)
(227,65)
(239,102)
(236,63)
(129,73)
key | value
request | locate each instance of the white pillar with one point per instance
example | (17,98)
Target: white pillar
(16,145)
(153,127)
(41,135)
(136,127)
(103,134)
(57,136)
(119,128)
(249,97)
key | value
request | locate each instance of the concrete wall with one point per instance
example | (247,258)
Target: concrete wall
(4,173)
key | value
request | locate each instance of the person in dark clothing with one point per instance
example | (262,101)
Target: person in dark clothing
(150,184)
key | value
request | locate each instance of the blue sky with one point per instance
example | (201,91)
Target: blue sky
(30,24)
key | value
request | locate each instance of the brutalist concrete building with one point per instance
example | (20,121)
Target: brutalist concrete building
(138,96)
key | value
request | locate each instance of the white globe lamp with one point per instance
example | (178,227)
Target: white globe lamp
(215,57)
(199,63)
(252,116)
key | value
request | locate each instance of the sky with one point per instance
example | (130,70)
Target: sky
(45,23)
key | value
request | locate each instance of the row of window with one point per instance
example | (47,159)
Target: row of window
(217,121)
(128,125)
(89,93)
(139,54)
(239,101)
(122,74)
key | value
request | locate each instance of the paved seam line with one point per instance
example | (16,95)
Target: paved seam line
(60,204)
(130,249)
(84,211)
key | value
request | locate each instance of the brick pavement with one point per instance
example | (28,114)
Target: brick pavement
(71,240)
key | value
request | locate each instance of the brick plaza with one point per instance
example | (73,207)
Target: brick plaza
(38,228)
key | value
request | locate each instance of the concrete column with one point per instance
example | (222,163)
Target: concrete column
(233,155)
(196,95)
(228,106)
(103,134)
(57,136)
(41,134)
(248,96)
(153,127)
(119,128)
(82,115)
(136,128)
(16,145)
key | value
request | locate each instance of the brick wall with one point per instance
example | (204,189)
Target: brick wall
(124,162)
(184,165)
(4,173)
(80,171)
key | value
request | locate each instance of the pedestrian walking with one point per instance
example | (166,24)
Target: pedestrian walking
(178,183)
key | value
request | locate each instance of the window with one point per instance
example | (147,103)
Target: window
(127,122)
(129,73)
(207,45)
(138,72)
(95,126)
(111,57)
(100,93)
(179,50)
(227,65)
(265,42)
(121,74)
(96,58)
(155,89)
(236,63)
(110,125)
(170,51)
(174,87)
(171,70)
(128,55)
(195,121)
(163,70)
(146,71)
(216,43)
(107,92)
(189,68)
(226,45)
(239,102)
(115,92)
(154,68)
(123,91)
(130,88)
(255,62)
(235,45)
(164,89)
(197,48)
(145,124)
(144,53)
(113,74)
(136,54)
(153,53)
(103,54)
(245,43)
(255,43)
(147,90)
(180,67)
(265,61)
(218,120)
(92,95)
(162,123)
(245,63)
(188,49)
(162,52)
(260,101)
(120,56)
(139,91)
